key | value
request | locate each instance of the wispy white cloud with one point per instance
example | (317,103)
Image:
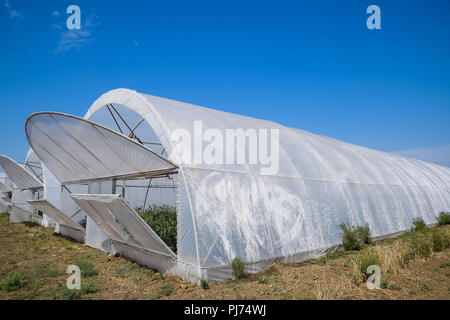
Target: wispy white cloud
(438,155)
(76,39)
(12,12)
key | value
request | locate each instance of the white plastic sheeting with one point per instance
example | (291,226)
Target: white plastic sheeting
(88,151)
(5,206)
(228,211)
(21,177)
(5,188)
(54,214)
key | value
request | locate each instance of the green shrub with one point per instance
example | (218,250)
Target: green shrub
(238,267)
(350,239)
(363,234)
(86,267)
(444,218)
(13,283)
(419,224)
(204,284)
(165,289)
(163,220)
(263,280)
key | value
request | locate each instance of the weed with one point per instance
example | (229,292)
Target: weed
(204,284)
(86,267)
(350,239)
(445,265)
(263,280)
(419,224)
(363,234)
(13,283)
(320,261)
(238,268)
(88,287)
(426,287)
(333,255)
(166,289)
(67,294)
(4,214)
(125,271)
(354,237)
(421,246)
(36,284)
(157,276)
(444,218)
(277,274)
(440,240)
(394,287)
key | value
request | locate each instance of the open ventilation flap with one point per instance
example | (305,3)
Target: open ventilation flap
(54,214)
(78,150)
(120,222)
(19,175)
(4,187)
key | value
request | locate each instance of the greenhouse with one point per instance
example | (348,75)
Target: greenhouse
(123,158)
(25,186)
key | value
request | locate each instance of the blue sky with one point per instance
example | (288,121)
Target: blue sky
(312,65)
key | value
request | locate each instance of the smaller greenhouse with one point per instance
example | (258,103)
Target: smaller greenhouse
(26,186)
(5,197)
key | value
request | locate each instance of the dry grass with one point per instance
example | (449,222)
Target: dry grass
(334,288)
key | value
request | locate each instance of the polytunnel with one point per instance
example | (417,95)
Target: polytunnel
(283,204)
(26,186)
(5,197)
(5,193)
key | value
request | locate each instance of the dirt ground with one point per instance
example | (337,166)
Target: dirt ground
(33,261)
